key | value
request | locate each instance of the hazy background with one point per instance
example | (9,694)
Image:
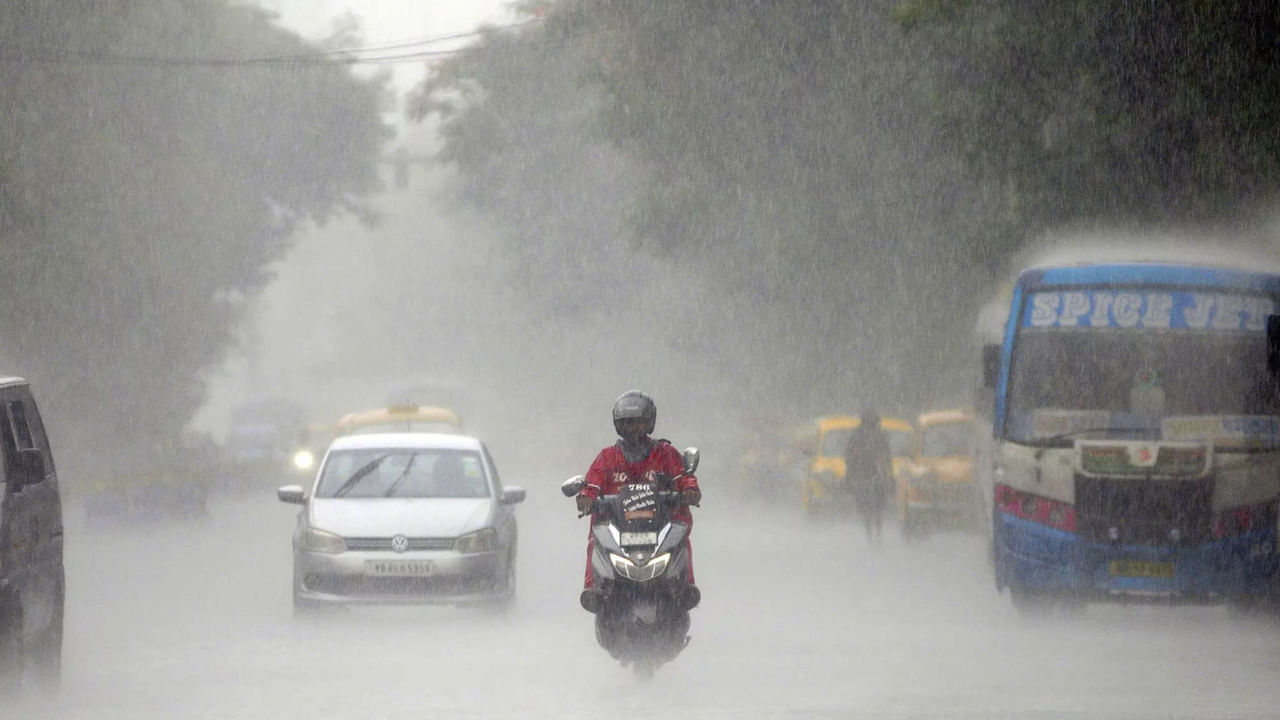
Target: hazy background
(755,211)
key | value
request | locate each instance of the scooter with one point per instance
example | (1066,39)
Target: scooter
(641,598)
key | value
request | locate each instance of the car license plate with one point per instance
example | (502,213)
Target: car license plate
(639,538)
(397,568)
(1140,568)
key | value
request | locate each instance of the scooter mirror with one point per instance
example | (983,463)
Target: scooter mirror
(690,459)
(573,485)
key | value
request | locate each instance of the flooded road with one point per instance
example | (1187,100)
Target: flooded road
(193,620)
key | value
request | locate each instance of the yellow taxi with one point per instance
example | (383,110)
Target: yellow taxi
(400,418)
(936,489)
(825,477)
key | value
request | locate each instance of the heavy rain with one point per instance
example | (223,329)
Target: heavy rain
(1019,262)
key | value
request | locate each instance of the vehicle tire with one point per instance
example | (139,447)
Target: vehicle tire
(645,669)
(302,607)
(507,600)
(12,660)
(1243,606)
(47,653)
(911,528)
(1031,602)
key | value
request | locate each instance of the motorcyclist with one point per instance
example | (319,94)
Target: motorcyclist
(636,457)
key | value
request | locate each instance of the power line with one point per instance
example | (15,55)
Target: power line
(318,58)
(404,44)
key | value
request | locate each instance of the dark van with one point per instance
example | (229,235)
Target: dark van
(31,574)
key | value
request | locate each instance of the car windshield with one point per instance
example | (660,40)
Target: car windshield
(403,473)
(1178,382)
(949,438)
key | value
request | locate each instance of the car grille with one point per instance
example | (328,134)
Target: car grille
(407,587)
(384,543)
(1143,511)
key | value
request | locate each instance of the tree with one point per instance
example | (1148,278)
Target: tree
(852,175)
(142,195)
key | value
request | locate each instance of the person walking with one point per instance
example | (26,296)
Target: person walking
(869,473)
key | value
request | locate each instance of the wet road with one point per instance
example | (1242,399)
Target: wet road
(193,620)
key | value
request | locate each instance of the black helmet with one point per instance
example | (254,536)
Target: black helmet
(869,418)
(631,405)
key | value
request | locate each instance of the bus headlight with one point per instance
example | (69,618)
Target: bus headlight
(304,460)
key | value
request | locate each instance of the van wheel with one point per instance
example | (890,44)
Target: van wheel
(11,655)
(48,651)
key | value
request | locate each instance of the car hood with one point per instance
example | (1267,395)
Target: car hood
(412,517)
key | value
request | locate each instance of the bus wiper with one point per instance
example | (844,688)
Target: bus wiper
(403,474)
(1082,431)
(359,475)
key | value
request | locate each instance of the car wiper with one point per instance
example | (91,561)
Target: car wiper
(359,475)
(403,474)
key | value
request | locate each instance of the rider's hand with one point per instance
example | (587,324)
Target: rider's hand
(585,502)
(691,496)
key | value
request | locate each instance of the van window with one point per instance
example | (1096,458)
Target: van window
(7,443)
(21,428)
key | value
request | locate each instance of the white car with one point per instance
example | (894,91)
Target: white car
(403,518)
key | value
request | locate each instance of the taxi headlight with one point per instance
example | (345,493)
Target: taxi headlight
(321,541)
(304,460)
(477,542)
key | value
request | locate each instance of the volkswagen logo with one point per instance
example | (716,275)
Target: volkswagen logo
(399,543)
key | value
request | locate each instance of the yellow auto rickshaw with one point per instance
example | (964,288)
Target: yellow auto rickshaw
(937,488)
(826,471)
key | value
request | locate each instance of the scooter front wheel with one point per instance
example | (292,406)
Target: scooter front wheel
(645,669)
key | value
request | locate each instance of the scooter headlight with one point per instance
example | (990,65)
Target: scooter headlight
(640,573)
(658,565)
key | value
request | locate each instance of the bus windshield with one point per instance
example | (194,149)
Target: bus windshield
(1172,382)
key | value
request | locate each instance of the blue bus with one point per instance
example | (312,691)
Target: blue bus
(1135,446)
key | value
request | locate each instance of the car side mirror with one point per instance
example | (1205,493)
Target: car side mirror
(990,365)
(292,494)
(511,496)
(573,485)
(1273,344)
(28,467)
(690,458)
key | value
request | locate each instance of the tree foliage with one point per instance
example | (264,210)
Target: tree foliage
(141,200)
(849,175)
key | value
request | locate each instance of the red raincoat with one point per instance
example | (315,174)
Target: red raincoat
(610,471)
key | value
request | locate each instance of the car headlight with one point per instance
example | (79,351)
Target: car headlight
(321,541)
(304,460)
(477,542)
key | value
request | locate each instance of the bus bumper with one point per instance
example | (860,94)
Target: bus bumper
(1032,556)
